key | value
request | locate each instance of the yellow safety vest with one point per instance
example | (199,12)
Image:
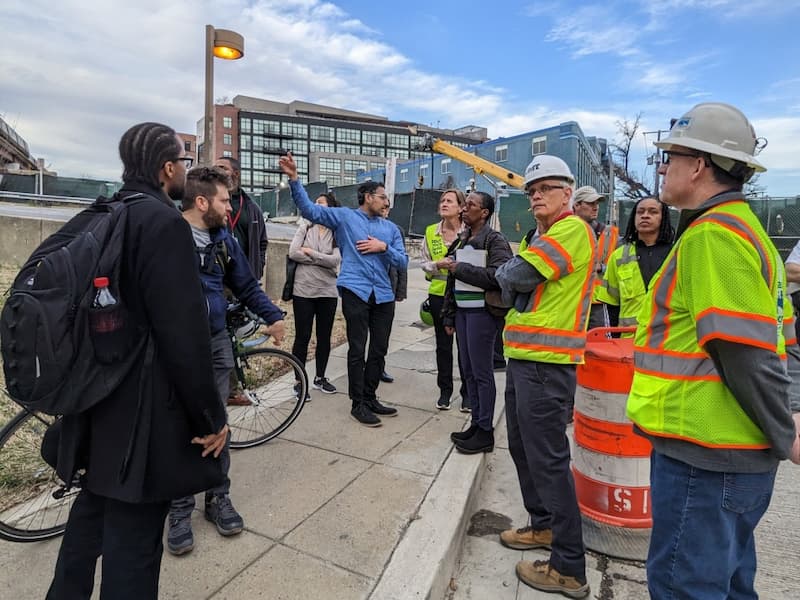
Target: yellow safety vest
(623,286)
(552,329)
(438,250)
(724,280)
(606,244)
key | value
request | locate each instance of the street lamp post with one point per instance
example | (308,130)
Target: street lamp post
(227,45)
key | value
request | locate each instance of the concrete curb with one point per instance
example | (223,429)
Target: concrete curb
(425,559)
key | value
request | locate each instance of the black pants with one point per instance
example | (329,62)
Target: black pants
(305,311)
(128,536)
(444,352)
(536,394)
(365,319)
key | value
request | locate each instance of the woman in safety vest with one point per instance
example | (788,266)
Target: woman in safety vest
(648,239)
(438,238)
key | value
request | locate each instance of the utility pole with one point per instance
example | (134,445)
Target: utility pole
(656,159)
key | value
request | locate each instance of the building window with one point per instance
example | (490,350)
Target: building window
(300,161)
(247,178)
(245,125)
(331,179)
(187,146)
(539,145)
(258,161)
(354,166)
(369,151)
(349,180)
(396,140)
(296,146)
(226,139)
(227,122)
(501,153)
(348,149)
(298,130)
(348,135)
(258,178)
(322,133)
(373,138)
(227,154)
(446,165)
(330,164)
(245,142)
(321,146)
(403,174)
(418,154)
(245,159)
(397,153)
(272,179)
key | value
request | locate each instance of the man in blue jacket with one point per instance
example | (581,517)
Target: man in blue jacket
(206,207)
(369,245)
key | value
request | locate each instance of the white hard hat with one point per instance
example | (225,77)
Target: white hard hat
(545,166)
(723,132)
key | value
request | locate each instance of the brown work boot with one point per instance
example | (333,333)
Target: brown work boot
(526,538)
(541,576)
(238,399)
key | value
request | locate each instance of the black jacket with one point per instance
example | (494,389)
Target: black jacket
(136,444)
(497,253)
(253,229)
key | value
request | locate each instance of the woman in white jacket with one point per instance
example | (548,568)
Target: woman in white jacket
(314,294)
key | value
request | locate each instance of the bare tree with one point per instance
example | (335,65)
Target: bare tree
(629,182)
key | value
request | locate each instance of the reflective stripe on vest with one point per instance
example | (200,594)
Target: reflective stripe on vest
(552,329)
(677,391)
(437,249)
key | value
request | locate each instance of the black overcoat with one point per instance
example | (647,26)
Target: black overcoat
(135,445)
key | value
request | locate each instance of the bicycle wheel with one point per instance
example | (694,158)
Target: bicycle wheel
(268,377)
(34,504)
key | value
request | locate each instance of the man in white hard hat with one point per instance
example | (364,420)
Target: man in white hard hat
(549,285)
(710,390)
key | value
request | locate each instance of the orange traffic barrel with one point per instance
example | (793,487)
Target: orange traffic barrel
(611,464)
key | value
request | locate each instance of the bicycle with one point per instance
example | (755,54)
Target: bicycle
(35,503)
(273,381)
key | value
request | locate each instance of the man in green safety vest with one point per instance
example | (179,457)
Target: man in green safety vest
(710,389)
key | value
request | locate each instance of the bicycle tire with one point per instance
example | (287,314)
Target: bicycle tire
(269,376)
(30,506)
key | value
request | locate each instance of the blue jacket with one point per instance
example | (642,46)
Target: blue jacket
(362,274)
(236,275)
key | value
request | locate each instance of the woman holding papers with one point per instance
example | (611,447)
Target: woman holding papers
(473,309)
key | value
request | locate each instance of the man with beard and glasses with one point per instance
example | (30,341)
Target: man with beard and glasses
(221,263)
(151,439)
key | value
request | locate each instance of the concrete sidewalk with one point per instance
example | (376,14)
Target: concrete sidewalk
(337,511)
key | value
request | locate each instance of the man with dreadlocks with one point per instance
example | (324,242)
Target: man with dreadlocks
(648,239)
(157,436)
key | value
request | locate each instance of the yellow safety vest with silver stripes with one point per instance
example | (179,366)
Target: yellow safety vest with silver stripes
(723,280)
(552,328)
(438,250)
(623,286)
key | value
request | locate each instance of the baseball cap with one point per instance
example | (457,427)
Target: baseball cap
(587,193)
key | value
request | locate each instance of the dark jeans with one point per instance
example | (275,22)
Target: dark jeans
(536,394)
(702,545)
(222,355)
(444,352)
(305,311)
(476,330)
(365,319)
(128,536)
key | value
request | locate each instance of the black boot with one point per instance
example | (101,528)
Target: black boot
(380,409)
(386,378)
(481,441)
(464,435)
(364,415)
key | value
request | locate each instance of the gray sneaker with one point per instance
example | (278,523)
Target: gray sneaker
(220,511)
(180,539)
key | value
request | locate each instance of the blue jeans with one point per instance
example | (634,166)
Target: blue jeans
(702,546)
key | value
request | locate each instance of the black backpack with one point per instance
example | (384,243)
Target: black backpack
(62,355)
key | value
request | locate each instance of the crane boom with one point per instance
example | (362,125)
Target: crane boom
(480,165)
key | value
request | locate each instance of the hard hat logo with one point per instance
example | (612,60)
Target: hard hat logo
(724,133)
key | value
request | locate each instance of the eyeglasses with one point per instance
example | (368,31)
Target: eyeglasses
(543,189)
(187,161)
(381,196)
(666,154)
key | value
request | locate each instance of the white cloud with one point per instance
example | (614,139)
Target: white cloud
(595,30)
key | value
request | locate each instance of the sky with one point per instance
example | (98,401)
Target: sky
(74,75)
